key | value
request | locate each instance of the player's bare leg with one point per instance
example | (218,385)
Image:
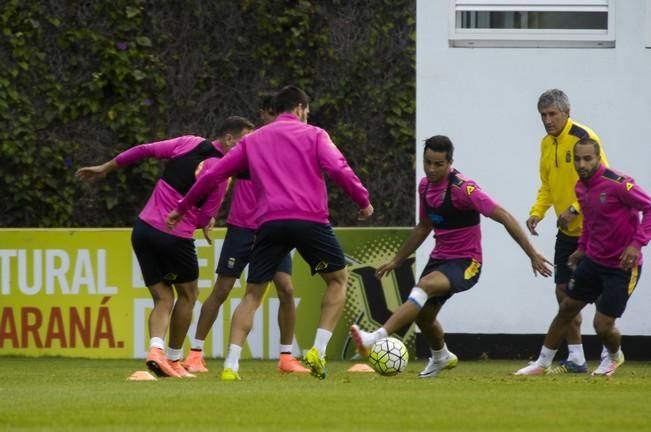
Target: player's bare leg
(332,306)
(241,324)
(209,312)
(286,323)
(605,327)
(431,285)
(159,319)
(432,331)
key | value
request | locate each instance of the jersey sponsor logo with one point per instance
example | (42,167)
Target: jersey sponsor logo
(629,186)
(470,189)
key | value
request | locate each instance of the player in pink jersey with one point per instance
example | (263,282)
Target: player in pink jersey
(608,261)
(287,160)
(451,205)
(234,256)
(168,258)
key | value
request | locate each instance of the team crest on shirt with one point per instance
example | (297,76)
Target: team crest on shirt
(629,186)
(568,157)
(602,197)
(470,189)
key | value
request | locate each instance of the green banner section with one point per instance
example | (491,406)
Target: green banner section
(79,293)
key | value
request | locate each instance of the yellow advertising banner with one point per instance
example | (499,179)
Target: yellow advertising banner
(80,293)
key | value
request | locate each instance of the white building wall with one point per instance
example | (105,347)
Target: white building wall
(484,99)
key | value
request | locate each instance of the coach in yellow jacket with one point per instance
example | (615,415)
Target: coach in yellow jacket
(558,178)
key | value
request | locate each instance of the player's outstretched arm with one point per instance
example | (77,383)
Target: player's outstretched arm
(94,172)
(539,263)
(409,246)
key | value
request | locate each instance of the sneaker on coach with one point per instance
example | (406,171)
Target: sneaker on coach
(568,366)
(531,369)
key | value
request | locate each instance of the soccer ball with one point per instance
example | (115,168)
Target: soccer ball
(388,356)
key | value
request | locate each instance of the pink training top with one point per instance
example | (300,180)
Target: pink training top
(164,197)
(286,160)
(243,208)
(459,242)
(611,203)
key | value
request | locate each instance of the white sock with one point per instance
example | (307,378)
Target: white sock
(197,344)
(174,354)
(157,342)
(378,334)
(576,354)
(615,356)
(440,354)
(321,340)
(232,360)
(546,357)
(604,352)
(285,348)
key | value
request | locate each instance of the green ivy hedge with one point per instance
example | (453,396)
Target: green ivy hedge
(83,81)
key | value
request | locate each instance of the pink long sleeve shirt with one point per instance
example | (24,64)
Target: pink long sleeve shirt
(459,242)
(611,203)
(286,160)
(164,197)
(243,208)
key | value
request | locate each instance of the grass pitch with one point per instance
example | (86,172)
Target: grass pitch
(93,395)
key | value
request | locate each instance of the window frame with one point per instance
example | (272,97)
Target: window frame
(647,25)
(534,38)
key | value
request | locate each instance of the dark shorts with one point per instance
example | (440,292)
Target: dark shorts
(315,242)
(236,253)
(163,257)
(463,274)
(564,247)
(609,288)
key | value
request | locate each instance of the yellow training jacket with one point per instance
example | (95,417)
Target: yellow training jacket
(558,176)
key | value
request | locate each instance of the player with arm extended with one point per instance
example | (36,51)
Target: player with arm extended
(287,160)
(451,205)
(168,258)
(608,261)
(234,256)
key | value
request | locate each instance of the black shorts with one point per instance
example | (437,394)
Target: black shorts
(163,257)
(463,274)
(315,242)
(564,247)
(236,253)
(609,288)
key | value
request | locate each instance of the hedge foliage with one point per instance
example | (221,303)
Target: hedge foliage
(82,81)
